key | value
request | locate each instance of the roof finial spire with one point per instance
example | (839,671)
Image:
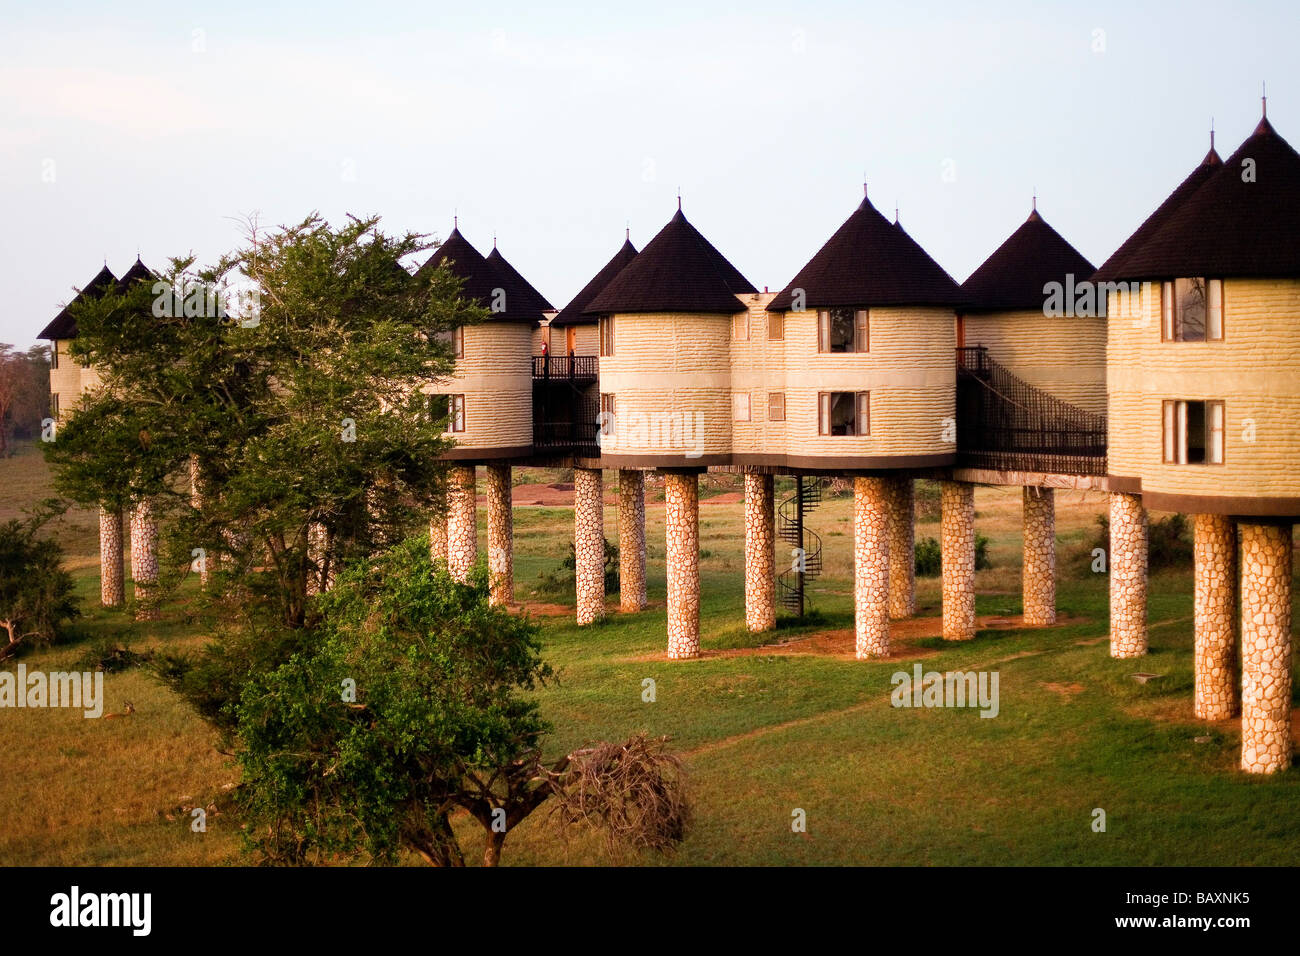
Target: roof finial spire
(1263,88)
(895,212)
(1033,201)
(1211,132)
(627,230)
(455,218)
(494,239)
(864,184)
(679,198)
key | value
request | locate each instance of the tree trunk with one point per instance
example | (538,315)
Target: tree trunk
(492,851)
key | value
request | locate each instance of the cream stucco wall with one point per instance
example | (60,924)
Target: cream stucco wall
(70,380)
(1255,371)
(1065,356)
(909,369)
(496,377)
(671,377)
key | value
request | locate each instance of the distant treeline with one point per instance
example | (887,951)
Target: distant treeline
(24,394)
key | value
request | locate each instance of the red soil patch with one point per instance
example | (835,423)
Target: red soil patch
(1064,690)
(903,636)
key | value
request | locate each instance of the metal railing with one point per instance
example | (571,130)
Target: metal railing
(1005,423)
(565,366)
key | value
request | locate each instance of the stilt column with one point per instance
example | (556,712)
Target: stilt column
(438,537)
(501,536)
(631,540)
(144,561)
(1215,627)
(872,499)
(589,544)
(1128,576)
(760,554)
(112,590)
(1038,584)
(462,522)
(957,499)
(1265,647)
(682,530)
(902,547)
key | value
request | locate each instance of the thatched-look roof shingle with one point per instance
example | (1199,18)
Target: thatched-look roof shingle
(1013,277)
(869,261)
(573,313)
(63,325)
(1242,221)
(677,271)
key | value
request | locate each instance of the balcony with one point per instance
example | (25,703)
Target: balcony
(575,368)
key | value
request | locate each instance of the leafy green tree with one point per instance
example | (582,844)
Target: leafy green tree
(298,404)
(411,701)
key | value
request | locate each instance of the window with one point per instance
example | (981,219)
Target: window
(54,405)
(458,339)
(740,406)
(54,355)
(454,408)
(607,419)
(776,406)
(844,413)
(740,327)
(1191,310)
(842,330)
(776,326)
(606,335)
(1193,433)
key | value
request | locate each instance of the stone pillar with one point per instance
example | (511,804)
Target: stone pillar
(871,508)
(196,502)
(760,554)
(320,576)
(631,540)
(112,590)
(500,536)
(462,522)
(1038,582)
(1215,628)
(589,544)
(1128,576)
(1265,647)
(902,547)
(682,530)
(957,499)
(144,561)
(438,537)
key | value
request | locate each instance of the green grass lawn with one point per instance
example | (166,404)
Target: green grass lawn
(763,733)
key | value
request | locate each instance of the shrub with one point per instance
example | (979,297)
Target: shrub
(929,556)
(35,591)
(562,581)
(1169,543)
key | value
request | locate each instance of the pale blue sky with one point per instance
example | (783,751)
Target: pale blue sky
(162,124)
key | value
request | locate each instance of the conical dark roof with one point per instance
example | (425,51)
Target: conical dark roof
(869,261)
(517,284)
(483,278)
(63,325)
(1113,268)
(137,272)
(677,271)
(1014,276)
(572,314)
(1236,224)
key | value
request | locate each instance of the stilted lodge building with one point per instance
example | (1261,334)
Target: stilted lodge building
(1169,379)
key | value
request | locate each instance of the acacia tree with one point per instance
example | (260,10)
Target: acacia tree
(410,703)
(298,409)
